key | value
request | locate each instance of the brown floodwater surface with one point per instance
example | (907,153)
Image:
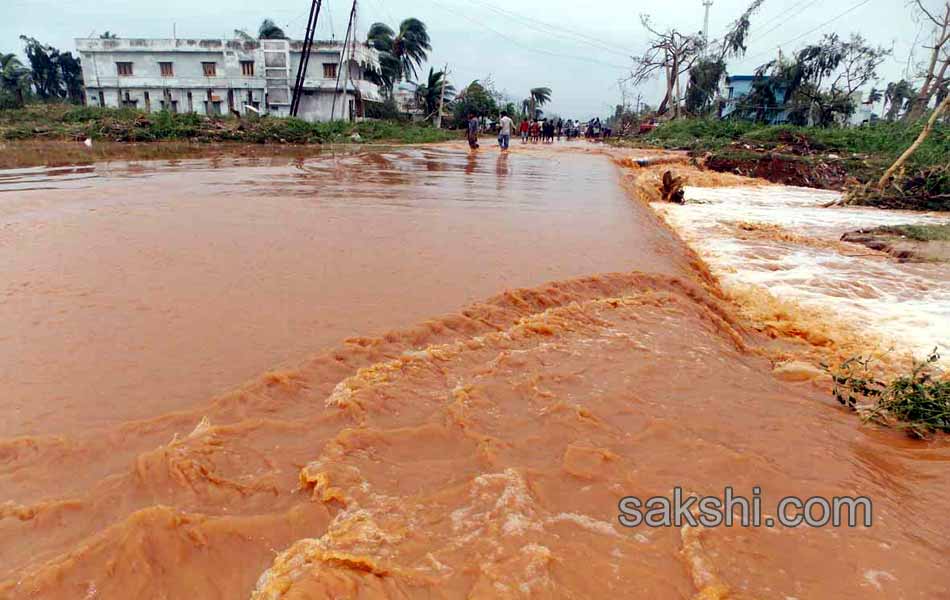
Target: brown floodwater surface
(500,348)
(132,289)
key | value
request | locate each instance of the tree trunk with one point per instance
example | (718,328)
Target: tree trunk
(913,147)
(919,103)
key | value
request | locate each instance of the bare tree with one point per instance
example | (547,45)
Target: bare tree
(671,53)
(935,77)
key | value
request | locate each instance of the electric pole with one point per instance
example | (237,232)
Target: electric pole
(707,4)
(343,61)
(438,116)
(304,57)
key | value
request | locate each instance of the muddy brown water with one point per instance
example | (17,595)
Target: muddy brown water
(501,347)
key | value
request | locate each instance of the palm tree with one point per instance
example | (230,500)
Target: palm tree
(270,31)
(108,35)
(897,95)
(399,54)
(537,98)
(429,93)
(14,77)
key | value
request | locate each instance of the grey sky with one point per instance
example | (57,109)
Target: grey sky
(579,49)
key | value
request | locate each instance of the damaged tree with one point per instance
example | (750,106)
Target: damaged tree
(819,86)
(707,74)
(671,53)
(935,77)
(899,163)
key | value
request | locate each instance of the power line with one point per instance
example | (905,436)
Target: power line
(811,31)
(551,28)
(526,47)
(801,5)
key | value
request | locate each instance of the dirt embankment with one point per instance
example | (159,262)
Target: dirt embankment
(780,168)
(928,243)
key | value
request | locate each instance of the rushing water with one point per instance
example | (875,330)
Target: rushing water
(784,240)
(504,347)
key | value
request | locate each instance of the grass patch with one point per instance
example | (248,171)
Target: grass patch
(882,140)
(920,233)
(66,122)
(918,402)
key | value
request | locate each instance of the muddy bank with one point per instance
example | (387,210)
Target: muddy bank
(902,244)
(781,169)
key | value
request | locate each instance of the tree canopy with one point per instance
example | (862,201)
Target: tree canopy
(400,54)
(270,31)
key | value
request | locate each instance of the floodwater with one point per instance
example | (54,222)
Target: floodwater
(500,348)
(783,240)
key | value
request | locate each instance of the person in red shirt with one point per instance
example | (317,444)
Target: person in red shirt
(524,131)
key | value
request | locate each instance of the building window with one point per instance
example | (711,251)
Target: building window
(167,69)
(247,68)
(124,69)
(209,68)
(329,70)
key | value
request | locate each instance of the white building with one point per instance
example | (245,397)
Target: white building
(213,76)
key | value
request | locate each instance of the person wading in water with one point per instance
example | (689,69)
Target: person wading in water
(506,125)
(472,131)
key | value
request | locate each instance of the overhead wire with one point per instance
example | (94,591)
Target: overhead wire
(525,46)
(810,31)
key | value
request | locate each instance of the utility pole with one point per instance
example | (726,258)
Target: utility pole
(343,62)
(304,57)
(438,116)
(707,4)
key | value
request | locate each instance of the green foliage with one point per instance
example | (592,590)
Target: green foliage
(58,121)
(704,78)
(897,97)
(817,86)
(429,93)
(14,81)
(399,54)
(920,233)
(918,402)
(270,31)
(55,75)
(474,99)
(882,142)
(387,109)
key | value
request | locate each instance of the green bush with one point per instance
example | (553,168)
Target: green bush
(918,402)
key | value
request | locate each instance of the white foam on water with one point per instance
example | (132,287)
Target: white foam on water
(906,303)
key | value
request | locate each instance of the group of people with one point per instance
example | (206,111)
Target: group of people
(542,130)
(537,130)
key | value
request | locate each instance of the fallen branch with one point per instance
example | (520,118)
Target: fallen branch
(913,147)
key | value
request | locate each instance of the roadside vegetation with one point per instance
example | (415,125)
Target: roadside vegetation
(918,402)
(69,122)
(918,233)
(840,158)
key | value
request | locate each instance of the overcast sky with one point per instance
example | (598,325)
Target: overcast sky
(579,49)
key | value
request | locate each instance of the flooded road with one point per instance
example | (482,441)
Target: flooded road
(500,349)
(131,289)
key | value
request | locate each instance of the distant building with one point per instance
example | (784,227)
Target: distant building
(214,76)
(738,87)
